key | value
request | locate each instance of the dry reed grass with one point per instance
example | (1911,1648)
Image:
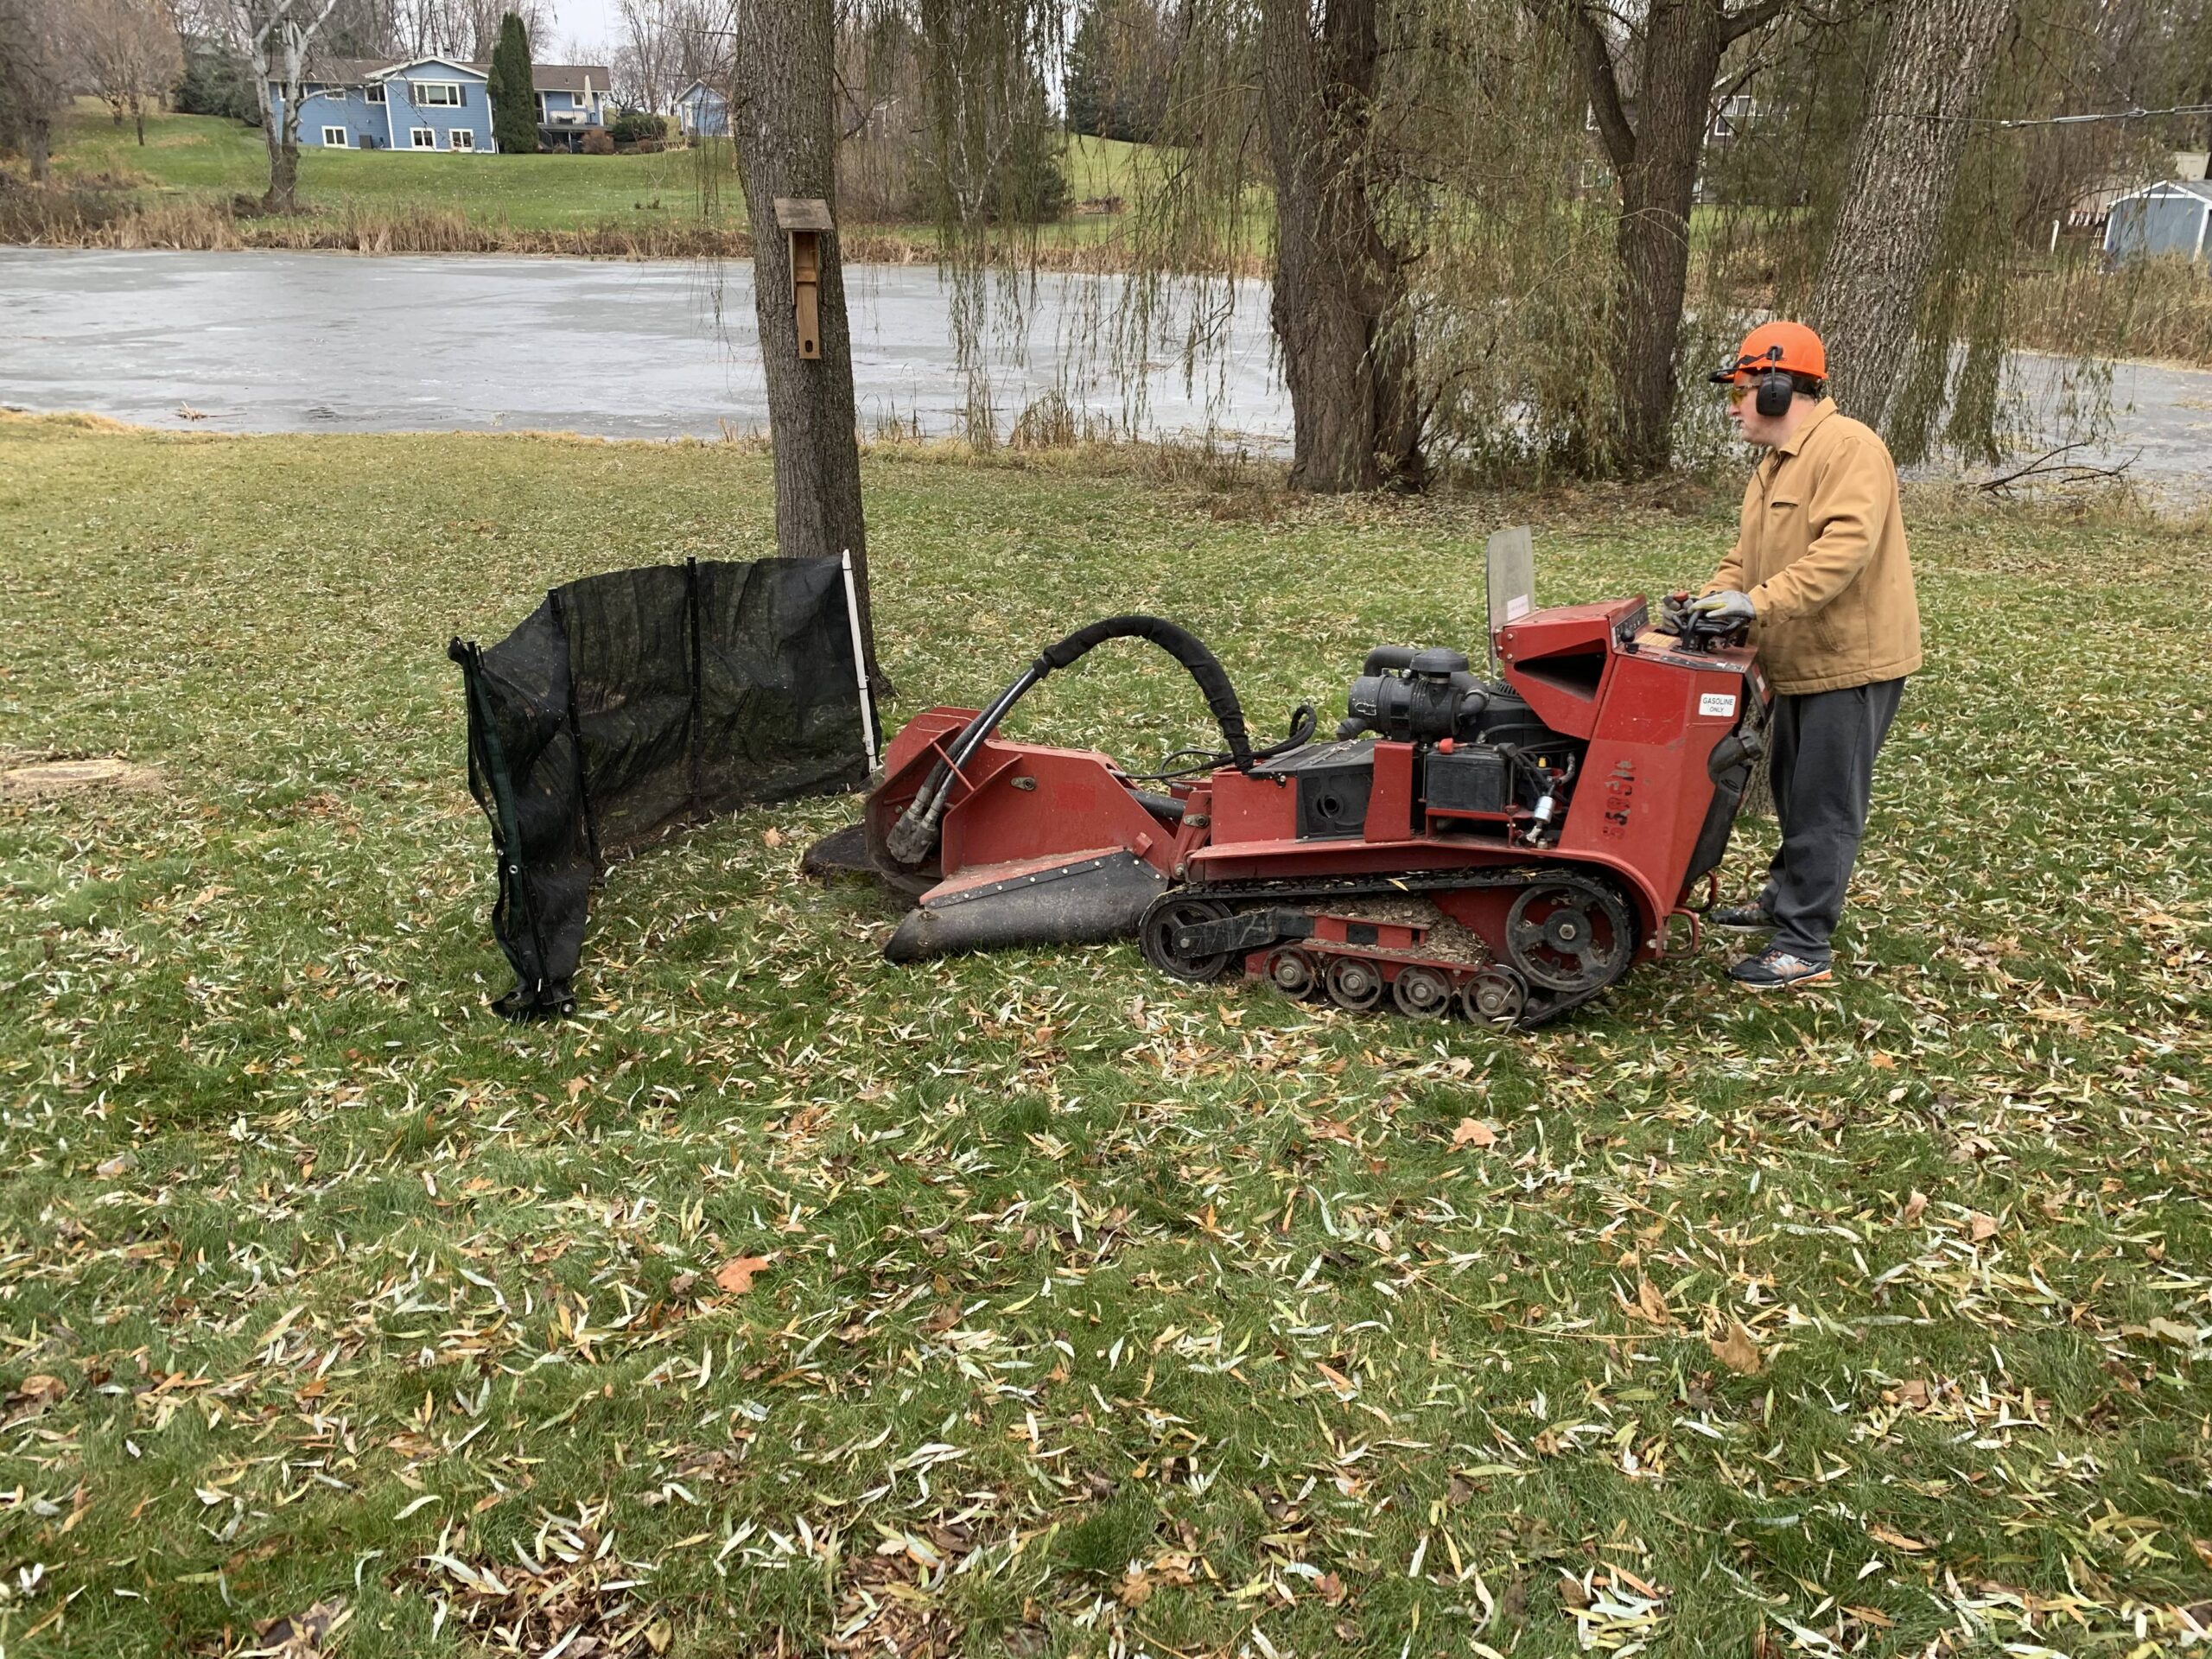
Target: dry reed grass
(105,212)
(2158,309)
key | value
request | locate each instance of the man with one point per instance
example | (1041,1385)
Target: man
(1820,572)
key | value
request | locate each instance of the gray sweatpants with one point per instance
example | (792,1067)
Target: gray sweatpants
(1823,745)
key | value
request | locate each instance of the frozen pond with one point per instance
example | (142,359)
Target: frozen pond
(317,342)
(314,342)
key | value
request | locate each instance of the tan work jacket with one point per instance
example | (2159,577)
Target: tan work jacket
(1820,551)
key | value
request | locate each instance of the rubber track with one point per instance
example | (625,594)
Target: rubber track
(1243,894)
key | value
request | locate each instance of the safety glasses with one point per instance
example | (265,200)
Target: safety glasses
(1737,394)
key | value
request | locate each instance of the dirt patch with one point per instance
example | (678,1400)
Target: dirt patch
(44,779)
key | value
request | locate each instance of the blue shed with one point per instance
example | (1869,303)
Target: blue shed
(702,112)
(2174,217)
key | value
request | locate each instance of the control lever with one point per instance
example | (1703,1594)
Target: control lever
(1696,632)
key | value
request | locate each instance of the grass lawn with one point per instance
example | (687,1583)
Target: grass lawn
(1088,1313)
(615,202)
(199,156)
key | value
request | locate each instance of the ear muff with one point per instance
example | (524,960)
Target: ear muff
(1775,391)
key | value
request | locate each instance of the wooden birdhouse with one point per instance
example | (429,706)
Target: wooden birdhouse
(803,220)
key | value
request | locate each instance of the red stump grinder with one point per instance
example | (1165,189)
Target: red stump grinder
(1502,847)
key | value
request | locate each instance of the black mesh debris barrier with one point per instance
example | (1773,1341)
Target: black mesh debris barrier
(632,705)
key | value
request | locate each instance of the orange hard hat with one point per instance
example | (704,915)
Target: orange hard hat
(1789,346)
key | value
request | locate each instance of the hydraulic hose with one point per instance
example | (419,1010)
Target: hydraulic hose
(916,832)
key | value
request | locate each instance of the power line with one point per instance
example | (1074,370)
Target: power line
(2136,114)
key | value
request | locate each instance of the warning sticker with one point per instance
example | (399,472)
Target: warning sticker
(1716,703)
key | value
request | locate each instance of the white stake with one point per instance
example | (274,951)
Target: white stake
(859,657)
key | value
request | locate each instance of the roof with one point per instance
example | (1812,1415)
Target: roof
(2194,189)
(701,87)
(570,77)
(544,77)
(483,71)
(346,71)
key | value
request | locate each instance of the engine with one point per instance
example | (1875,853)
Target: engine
(1481,754)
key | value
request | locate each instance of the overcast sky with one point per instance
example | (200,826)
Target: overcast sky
(589,23)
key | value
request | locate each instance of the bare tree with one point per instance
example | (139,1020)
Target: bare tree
(276,36)
(130,52)
(34,73)
(783,117)
(1935,65)
(649,52)
(1655,140)
(475,31)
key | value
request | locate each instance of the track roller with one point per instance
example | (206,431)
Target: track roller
(1494,998)
(1355,984)
(1421,993)
(1292,973)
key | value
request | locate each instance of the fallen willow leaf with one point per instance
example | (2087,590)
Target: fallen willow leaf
(736,1275)
(1737,1350)
(1471,1133)
(1896,1540)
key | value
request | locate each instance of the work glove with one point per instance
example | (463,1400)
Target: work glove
(1727,606)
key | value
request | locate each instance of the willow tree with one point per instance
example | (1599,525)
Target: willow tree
(1654,89)
(1399,171)
(1338,305)
(991,171)
(1935,65)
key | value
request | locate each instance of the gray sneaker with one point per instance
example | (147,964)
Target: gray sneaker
(1741,919)
(1777,970)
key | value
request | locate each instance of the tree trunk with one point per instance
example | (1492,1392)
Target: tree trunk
(138,113)
(1655,157)
(38,139)
(782,118)
(1936,64)
(284,193)
(1337,305)
(1682,46)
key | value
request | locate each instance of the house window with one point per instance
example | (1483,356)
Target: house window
(1734,114)
(438,94)
(461,138)
(375,94)
(334,138)
(422,137)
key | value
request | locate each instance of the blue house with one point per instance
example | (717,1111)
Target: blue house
(436,103)
(701,111)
